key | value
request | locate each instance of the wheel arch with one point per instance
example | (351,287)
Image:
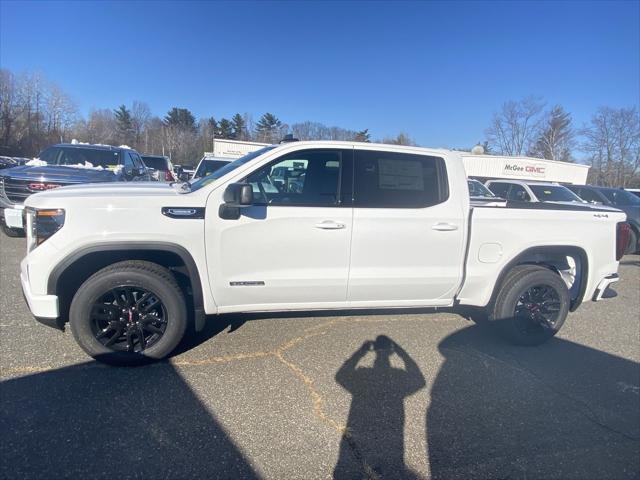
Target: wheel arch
(551,256)
(70,273)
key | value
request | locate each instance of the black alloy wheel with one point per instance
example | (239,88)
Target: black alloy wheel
(128,319)
(538,308)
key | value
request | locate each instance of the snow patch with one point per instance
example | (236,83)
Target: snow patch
(36,162)
(85,165)
(125,146)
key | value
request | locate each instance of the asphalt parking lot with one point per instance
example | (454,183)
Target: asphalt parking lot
(306,396)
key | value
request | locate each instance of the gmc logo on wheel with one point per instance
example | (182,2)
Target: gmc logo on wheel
(39,187)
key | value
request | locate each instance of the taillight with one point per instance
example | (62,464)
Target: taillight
(623,232)
(168,176)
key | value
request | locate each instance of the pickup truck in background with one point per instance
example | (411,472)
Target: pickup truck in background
(61,165)
(307,226)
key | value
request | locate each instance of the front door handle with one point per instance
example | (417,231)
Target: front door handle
(330,225)
(444,227)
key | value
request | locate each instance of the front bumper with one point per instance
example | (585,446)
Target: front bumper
(44,307)
(601,290)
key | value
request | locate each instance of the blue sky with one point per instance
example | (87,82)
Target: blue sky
(436,70)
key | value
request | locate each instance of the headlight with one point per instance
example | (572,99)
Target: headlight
(41,224)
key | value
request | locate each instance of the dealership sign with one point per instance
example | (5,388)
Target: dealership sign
(527,169)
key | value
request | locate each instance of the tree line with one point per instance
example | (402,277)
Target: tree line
(35,113)
(610,141)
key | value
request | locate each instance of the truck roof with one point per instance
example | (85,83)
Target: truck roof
(93,146)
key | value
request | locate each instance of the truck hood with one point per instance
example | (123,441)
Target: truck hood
(58,174)
(117,191)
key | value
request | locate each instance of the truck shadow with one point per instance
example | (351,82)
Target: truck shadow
(90,421)
(560,410)
(217,324)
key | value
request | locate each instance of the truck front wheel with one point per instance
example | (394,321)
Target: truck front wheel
(129,313)
(531,306)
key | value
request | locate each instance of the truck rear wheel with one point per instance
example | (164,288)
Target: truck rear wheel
(531,306)
(129,313)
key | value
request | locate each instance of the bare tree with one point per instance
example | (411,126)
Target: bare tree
(400,139)
(318,131)
(513,128)
(8,108)
(612,142)
(140,115)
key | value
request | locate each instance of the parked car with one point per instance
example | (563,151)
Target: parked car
(160,167)
(61,165)
(616,198)
(635,191)
(530,191)
(208,165)
(480,195)
(7,162)
(351,235)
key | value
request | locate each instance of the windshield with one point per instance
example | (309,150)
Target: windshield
(229,167)
(477,189)
(159,163)
(621,197)
(81,156)
(554,193)
(207,167)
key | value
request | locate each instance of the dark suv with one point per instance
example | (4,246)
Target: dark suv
(160,167)
(616,198)
(61,165)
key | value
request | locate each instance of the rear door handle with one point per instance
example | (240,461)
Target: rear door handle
(330,225)
(444,227)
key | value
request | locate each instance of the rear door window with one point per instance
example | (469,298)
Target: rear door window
(499,189)
(398,180)
(518,193)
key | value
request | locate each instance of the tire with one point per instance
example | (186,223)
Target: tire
(135,305)
(12,232)
(632,247)
(531,306)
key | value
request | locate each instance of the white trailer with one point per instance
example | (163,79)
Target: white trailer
(524,168)
(232,149)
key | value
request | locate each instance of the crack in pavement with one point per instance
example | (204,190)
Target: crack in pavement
(317,398)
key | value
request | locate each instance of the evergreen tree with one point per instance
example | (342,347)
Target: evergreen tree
(181,118)
(124,125)
(225,129)
(239,127)
(268,128)
(555,137)
(363,136)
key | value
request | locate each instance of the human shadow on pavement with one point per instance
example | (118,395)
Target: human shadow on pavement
(560,410)
(93,421)
(374,441)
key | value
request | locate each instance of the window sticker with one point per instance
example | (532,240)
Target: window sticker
(400,174)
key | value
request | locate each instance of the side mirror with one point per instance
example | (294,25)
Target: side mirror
(238,195)
(139,171)
(183,176)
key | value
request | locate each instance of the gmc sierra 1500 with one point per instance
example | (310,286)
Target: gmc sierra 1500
(302,226)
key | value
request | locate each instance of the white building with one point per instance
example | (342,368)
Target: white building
(524,168)
(223,148)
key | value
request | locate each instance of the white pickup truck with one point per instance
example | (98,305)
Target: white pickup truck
(306,226)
